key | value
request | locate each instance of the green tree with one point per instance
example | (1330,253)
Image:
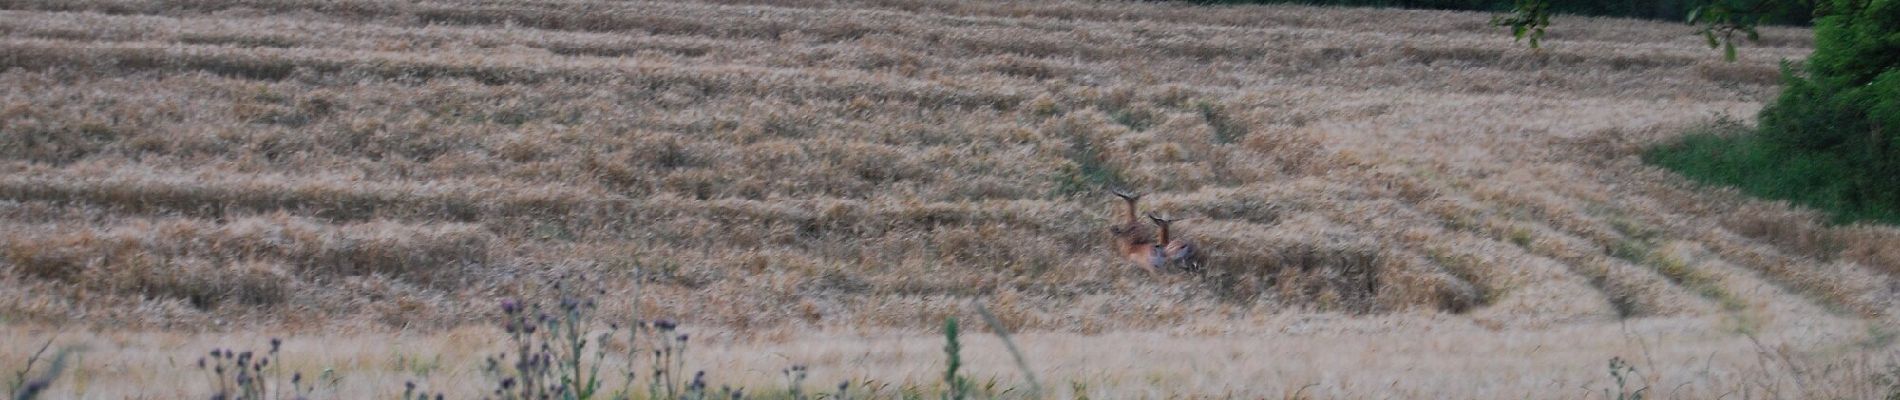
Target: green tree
(1845,102)
(1832,140)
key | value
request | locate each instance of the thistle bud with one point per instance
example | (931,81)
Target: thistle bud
(510,306)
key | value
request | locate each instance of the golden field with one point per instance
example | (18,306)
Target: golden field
(1399,203)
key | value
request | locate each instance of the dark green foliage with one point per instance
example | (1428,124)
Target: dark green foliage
(1623,373)
(958,387)
(1848,100)
(1832,141)
(1841,114)
(1528,21)
(1732,156)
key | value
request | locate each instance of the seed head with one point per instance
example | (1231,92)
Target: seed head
(510,306)
(33,389)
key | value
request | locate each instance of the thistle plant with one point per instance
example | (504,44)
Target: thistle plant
(1622,371)
(958,386)
(26,386)
(558,351)
(555,354)
(249,375)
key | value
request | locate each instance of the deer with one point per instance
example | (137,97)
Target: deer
(1169,252)
(1132,239)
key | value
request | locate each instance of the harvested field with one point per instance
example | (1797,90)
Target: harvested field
(1394,202)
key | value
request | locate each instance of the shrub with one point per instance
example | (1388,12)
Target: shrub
(1845,104)
(1832,140)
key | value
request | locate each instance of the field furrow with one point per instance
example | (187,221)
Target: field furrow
(1390,202)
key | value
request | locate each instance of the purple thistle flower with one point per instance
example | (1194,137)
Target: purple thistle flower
(510,306)
(33,389)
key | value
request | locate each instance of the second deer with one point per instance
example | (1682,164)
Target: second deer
(1174,253)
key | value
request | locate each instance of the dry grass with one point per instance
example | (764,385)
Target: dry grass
(775,169)
(1322,356)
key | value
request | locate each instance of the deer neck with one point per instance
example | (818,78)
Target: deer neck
(1131,211)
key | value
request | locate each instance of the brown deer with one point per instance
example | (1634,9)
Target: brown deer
(1171,252)
(1132,239)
